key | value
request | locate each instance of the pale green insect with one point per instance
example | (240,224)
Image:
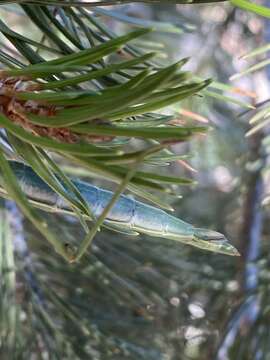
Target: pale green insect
(127,215)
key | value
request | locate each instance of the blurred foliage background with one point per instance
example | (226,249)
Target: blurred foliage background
(145,298)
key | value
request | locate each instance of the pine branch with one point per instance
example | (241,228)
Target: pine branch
(90,4)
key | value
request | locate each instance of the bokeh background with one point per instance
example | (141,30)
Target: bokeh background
(145,298)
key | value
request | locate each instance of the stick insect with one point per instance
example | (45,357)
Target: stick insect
(128,216)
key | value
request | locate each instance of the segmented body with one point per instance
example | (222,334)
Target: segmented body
(127,214)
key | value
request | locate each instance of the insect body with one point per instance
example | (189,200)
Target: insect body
(127,215)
